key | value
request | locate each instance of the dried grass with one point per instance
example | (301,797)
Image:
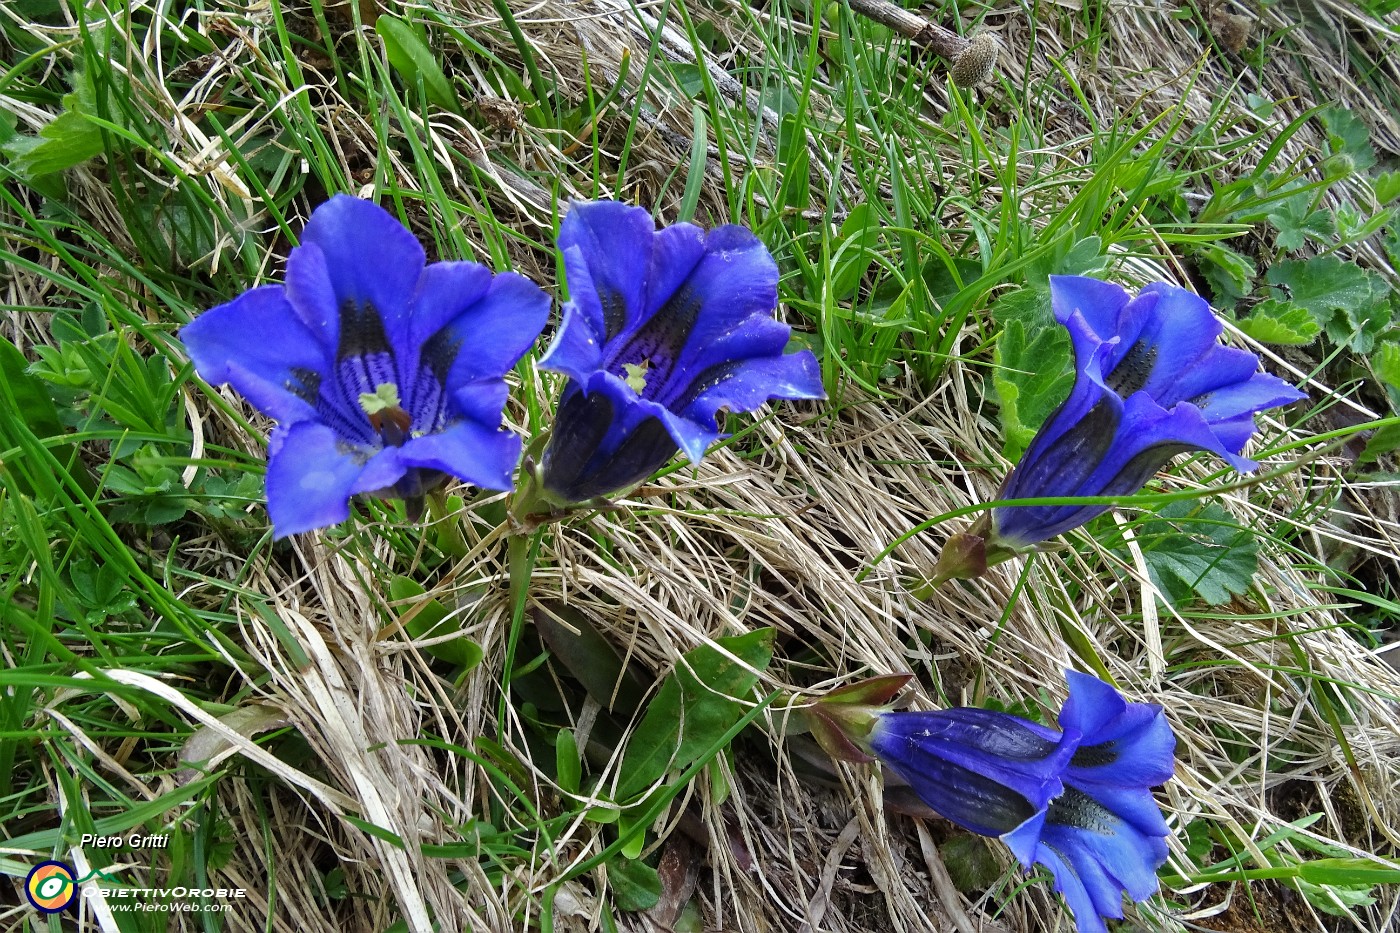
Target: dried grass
(776,540)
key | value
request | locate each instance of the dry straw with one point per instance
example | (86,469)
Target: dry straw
(776,540)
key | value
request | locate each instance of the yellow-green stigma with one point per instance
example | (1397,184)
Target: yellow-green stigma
(386,416)
(637,375)
(384,397)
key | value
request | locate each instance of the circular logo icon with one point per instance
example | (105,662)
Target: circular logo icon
(50,886)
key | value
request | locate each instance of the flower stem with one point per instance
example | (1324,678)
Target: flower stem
(522,550)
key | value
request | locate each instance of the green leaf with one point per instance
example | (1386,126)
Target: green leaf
(1230,274)
(67,140)
(1069,257)
(636,885)
(410,56)
(1295,220)
(1275,321)
(854,250)
(688,79)
(1387,187)
(32,406)
(1386,363)
(1346,300)
(577,646)
(971,864)
(695,706)
(1193,550)
(1347,871)
(1033,373)
(424,623)
(568,769)
(1385,440)
(1348,136)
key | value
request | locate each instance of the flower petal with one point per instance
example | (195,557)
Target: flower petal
(496,331)
(310,475)
(1124,749)
(1091,707)
(1235,402)
(1099,303)
(735,282)
(1064,455)
(745,384)
(577,348)
(1095,856)
(1113,450)
(256,344)
(675,252)
(614,254)
(469,329)
(984,770)
(1077,434)
(483,456)
(1136,749)
(1108,853)
(604,440)
(354,252)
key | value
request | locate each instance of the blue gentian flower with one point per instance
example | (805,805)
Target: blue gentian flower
(1152,381)
(663,328)
(1077,800)
(384,375)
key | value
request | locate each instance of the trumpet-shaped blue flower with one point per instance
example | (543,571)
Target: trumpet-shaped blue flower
(1077,800)
(1152,381)
(383,373)
(663,328)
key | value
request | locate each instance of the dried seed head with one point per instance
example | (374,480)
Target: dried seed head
(976,62)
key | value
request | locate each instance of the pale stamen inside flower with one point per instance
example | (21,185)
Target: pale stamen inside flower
(386,415)
(637,375)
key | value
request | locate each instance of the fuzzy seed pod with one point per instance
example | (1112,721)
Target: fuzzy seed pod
(976,62)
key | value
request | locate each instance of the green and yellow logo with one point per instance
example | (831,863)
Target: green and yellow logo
(51,886)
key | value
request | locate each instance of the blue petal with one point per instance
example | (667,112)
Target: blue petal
(1091,707)
(1111,450)
(1063,456)
(1076,435)
(691,436)
(311,475)
(614,243)
(746,384)
(984,770)
(354,251)
(603,440)
(446,290)
(481,455)
(1147,428)
(497,330)
(1233,402)
(1100,303)
(1133,803)
(468,330)
(735,282)
(482,401)
(675,252)
(1094,855)
(1182,335)
(1103,847)
(578,346)
(1136,749)
(257,344)
(1024,842)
